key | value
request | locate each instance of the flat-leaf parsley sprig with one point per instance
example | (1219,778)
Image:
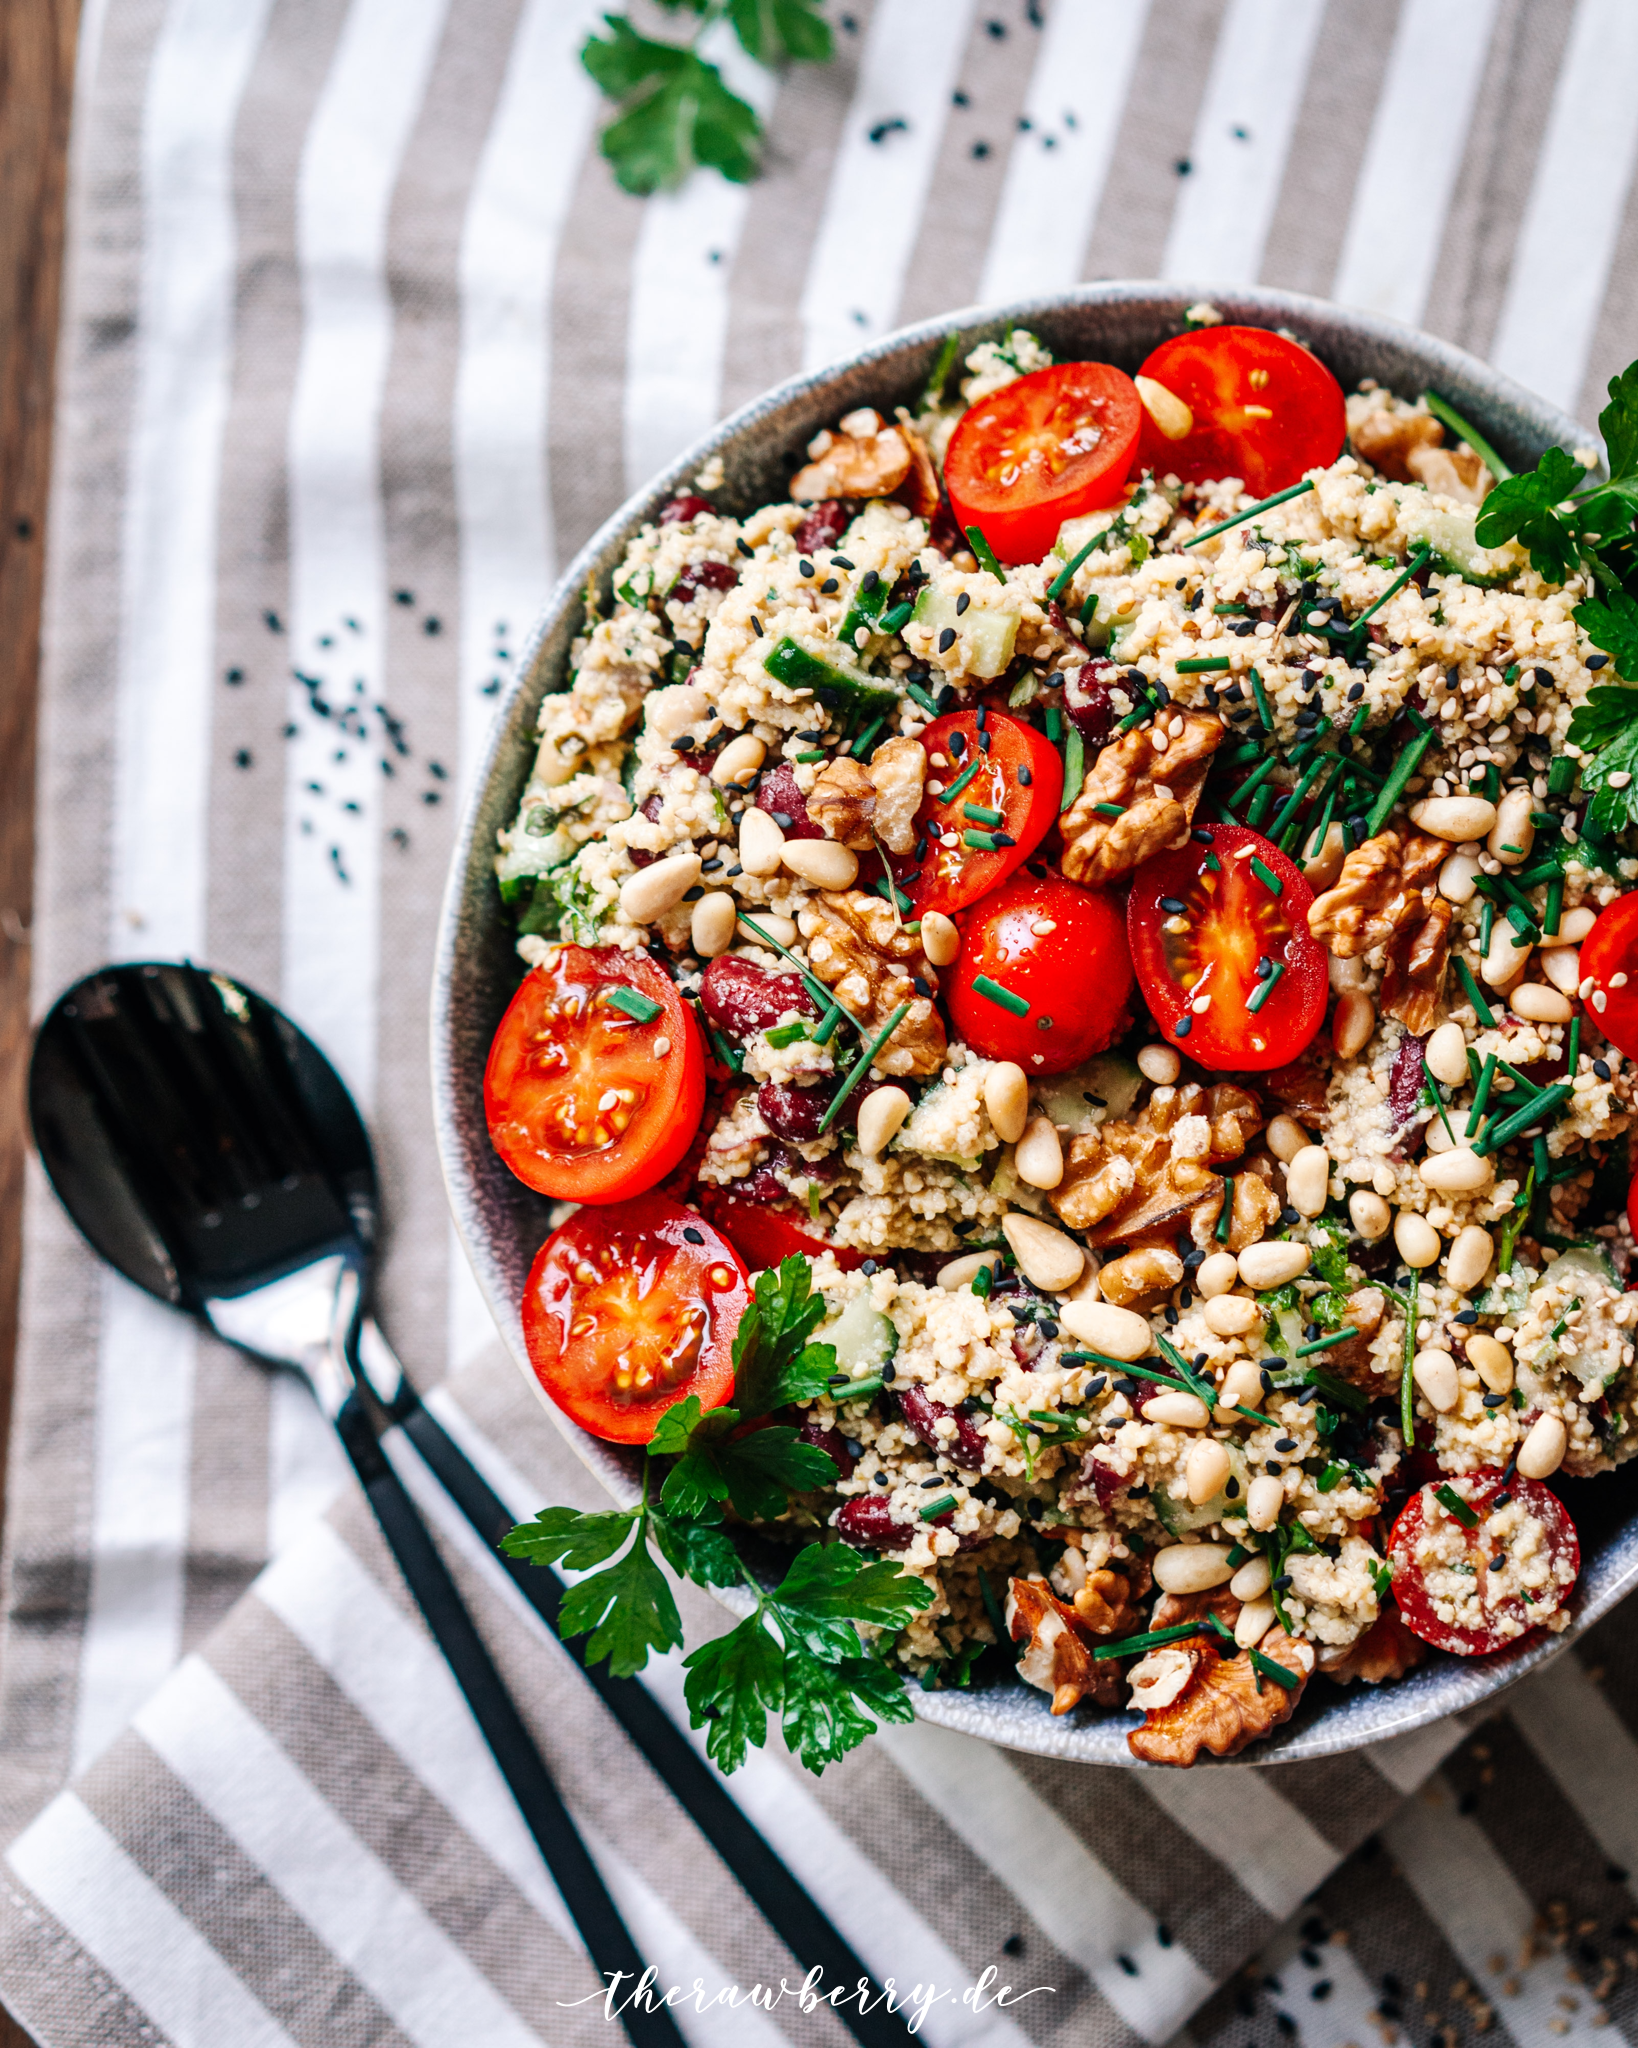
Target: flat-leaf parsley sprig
(675,110)
(798,1655)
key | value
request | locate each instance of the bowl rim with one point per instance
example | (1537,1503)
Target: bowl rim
(1439,1688)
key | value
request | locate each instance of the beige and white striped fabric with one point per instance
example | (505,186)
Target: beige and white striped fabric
(361,341)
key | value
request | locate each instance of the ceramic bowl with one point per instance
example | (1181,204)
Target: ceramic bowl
(502,1223)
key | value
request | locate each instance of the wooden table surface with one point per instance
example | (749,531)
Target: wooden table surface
(37,39)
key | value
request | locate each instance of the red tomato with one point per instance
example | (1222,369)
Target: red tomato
(1020,776)
(582,1101)
(1057,949)
(1232,922)
(1632,1219)
(763,1236)
(1506,1616)
(1042,449)
(1264,409)
(1609,949)
(630,1309)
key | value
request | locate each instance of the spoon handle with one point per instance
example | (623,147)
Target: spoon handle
(608,1941)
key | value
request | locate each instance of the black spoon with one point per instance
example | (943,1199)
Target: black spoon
(209,1151)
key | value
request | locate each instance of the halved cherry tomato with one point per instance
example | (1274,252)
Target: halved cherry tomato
(1042,449)
(1060,951)
(763,1236)
(586,1101)
(1206,927)
(630,1309)
(1608,950)
(1013,798)
(1264,409)
(1506,1615)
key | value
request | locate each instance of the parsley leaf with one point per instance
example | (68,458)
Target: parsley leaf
(821,1720)
(828,1588)
(1613,626)
(1526,508)
(755,1472)
(771,29)
(697,1550)
(565,1536)
(627,1605)
(1605,727)
(732,1685)
(677,112)
(773,1361)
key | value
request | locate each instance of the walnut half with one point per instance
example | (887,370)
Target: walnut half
(1127,1180)
(1387,896)
(1155,777)
(859,806)
(1225,1704)
(857,948)
(1056,1657)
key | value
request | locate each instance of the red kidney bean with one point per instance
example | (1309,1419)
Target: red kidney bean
(1086,699)
(792,1112)
(1104,1480)
(700,576)
(682,509)
(741,998)
(866,1521)
(921,1412)
(649,808)
(824,525)
(777,794)
(832,1443)
(1406,1081)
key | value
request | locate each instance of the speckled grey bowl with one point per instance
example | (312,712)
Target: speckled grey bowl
(502,1224)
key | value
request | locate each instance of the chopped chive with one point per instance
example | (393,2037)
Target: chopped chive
(1459,427)
(1324,1343)
(993,990)
(1326,764)
(854,1390)
(1481,1091)
(1481,1009)
(1560,775)
(1261,696)
(1212,864)
(1225,1215)
(1267,1667)
(1202,664)
(981,814)
(985,553)
(981,842)
(1407,1385)
(1410,569)
(934,1508)
(1074,768)
(1066,575)
(1574,1047)
(1129,1646)
(857,750)
(643,1008)
(812,754)
(1270,881)
(1404,768)
(1450,1499)
(1110,810)
(1356,724)
(862,1067)
(1520,1080)
(1555,908)
(1543,1106)
(949,795)
(1438,1098)
(898,616)
(923,698)
(1271,761)
(786,1034)
(1266,988)
(1088,610)
(1251,512)
(1260,805)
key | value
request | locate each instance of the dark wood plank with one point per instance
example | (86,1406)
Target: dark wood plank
(37,39)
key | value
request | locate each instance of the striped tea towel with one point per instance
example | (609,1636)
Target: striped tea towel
(361,340)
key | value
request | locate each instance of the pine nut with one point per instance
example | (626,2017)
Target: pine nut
(1232,1315)
(760,843)
(1469,1259)
(1505,961)
(1205,1470)
(1192,1567)
(739,761)
(1170,413)
(1454,818)
(1217,1274)
(1039,1159)
(1461,1172)
(1542,1451)
(1542,1005)
(1272,1265)
(1573,927)
(660,887)
(1160,1064)
(1006,1098)
(1456,884)
(1320,870)
(959,1272)
(1416,1239)
(781,928)
(880,1115)
(1177,1411)
(940,940)
(1369,1214)
(1285,1138)
(824,862)
(711,930)
(1446,1054)
(1100,1326)
(1046,1258)
(1353,1023)
(1242,1385)
(1562,967)
(1512,836)
(1437,1139)
(1150,1270)
(1435,1375)
(1344,974)
(1254,1620)
(1493,1362)
(1264,1499)
(1252,1580)
(1308,1180)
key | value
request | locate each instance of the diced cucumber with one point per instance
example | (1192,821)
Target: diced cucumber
(1588,1262)
(864,1338)
(1111,1077)
(1450,535)
(1508,1293)
(1589,1258)
(830,676)
(865,609)
(1181,1516)
(990,634)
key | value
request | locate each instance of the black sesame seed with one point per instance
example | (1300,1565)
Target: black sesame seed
(805,566)
(745,548)
(842,562)
(829,586)
(782,819)
(1602,1069)
(1201,836)
(958,744)
(1172,905)
(868,1268)
(946,640)
(1494,1400)
(1596,661)
(1025,777)
(756,626)
(694,1236)
(1285,1443)
(243,758)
